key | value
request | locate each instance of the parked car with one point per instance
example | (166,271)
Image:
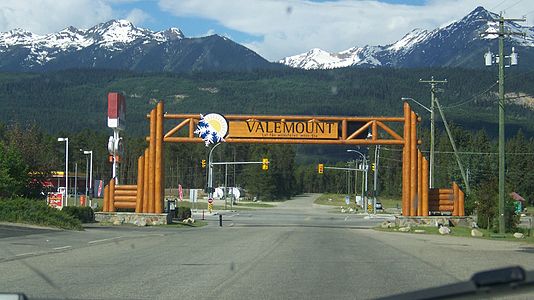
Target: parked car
(378,206)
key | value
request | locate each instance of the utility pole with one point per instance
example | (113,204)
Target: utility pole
(433,91)
(502,33)
(375,173)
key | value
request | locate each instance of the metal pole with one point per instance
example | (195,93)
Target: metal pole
(377,159)
(91,175)
(210,172)
(66,171)
(364,200)
(432,132)
(348,183)
(355,181)
(501,126)
(86,176)
(114,170)
(75,183)
(366,168)
(225,185)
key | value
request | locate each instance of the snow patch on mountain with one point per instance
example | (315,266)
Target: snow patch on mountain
(417,48)
(320,59)
(110,35)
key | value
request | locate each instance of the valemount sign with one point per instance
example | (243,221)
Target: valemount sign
(283,129)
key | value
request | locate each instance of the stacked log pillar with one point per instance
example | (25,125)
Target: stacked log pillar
(461,203)
(140,180)
(413,164)
(414,169)
(105,207)
(152,162)
(111,197)
(145,181)
(456,193)
(406,161)
(419,183)
(159,188)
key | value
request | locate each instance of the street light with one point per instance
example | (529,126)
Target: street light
(90,153)
(210,172)
(66,140)
(364,162)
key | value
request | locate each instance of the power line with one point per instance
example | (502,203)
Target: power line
(454,105)
(513,4)
(466,152)
(498,4)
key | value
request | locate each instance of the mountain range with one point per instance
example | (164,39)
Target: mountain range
(458,44)
(118,44)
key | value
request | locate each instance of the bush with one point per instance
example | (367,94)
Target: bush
(487,204)
(82,213)
(37,212)
(183,212)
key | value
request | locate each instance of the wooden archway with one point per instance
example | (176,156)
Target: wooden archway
(417,199)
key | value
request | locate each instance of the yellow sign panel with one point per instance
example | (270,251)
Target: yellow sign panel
(283,129)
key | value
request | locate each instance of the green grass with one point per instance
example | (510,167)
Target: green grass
(36,212)
(390,202)
(462,232)
(339,200)
(254,204)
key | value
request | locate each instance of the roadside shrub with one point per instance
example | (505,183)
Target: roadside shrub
(487,205)
(183,212)
(83,213)
(37,212)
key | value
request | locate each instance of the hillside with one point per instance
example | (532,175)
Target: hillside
(118,44)
(458,44)
(72,100)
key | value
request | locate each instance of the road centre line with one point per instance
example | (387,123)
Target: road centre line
(26,254)
(62,248)
(104,240)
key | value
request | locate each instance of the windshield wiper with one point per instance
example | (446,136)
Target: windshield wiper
(482,285)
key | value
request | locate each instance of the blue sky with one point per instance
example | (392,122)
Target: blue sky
(273,28)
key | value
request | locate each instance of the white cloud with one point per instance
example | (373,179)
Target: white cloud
(138,16)
(295,26)
(45,16)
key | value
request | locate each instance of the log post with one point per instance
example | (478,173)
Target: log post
(406,161)
(105,207)
(461,203)
(419,183)
(111,195)
(160,182)
(145,182)
(456,196)
(140,181)
(152,161)
(413,164)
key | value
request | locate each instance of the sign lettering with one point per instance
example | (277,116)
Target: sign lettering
(280,129)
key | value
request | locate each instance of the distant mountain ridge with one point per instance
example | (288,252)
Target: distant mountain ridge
(118,44)
(458,44)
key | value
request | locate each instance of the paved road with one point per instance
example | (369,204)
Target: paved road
(294,251)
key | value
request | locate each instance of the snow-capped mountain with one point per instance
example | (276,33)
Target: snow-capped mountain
(457,44)
(119,44)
